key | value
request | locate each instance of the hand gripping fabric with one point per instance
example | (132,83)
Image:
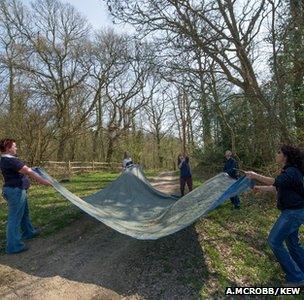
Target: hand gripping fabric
(133,207)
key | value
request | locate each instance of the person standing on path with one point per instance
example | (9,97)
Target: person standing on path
(185,173)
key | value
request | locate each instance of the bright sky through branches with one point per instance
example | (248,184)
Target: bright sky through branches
(95,11)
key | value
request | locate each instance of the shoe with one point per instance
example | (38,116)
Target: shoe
(37,232)
(235,208)
(25,248)
(294,284)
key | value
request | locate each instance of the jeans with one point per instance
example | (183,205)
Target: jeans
(286,229)
(183,181)
(18,218)
(235,201)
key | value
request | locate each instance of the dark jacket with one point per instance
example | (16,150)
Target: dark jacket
(185,170)
(231,168)
(290,188)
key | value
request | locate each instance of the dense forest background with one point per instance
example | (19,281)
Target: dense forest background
(194,76)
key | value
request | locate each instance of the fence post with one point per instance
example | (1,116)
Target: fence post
(93,165)
(69,169)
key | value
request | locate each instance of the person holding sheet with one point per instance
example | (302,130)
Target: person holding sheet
(284,235)
(16,185)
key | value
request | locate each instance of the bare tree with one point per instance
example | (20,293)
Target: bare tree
(56,60)
(297,48)
(157,111)
(226,31)
(125,90)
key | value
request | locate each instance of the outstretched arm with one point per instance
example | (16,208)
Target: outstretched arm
(29,172)
(264,179)
(264,188)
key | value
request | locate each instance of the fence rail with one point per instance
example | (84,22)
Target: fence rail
(65,169)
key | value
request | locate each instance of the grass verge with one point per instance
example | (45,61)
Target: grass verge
(49,210)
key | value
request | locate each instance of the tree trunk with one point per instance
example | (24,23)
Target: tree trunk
(159,154)
(184,99)
(262,129)
(297,13)
(207,137)
(110,150)
(61,149)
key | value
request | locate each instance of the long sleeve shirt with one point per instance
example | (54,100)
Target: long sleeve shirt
(230,168)
(290,188)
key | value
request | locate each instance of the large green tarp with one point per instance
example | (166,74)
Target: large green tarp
(133,207)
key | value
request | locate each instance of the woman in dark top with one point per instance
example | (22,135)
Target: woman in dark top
(185,173)
(289,188)
(16,184)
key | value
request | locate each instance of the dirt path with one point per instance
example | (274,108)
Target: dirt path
(88,260)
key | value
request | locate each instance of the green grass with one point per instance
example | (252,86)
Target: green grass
(197,182)
(234,243)
(235,246)
(49,210)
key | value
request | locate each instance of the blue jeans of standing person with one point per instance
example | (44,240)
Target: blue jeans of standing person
(286,229)
(18,218)
(235,201)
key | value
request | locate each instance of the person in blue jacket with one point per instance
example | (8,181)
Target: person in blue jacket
(289,189)
(230,168)
(16,184)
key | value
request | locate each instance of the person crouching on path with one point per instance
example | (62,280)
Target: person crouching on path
(185,173)
(16,184)
(230,168)
(289,190)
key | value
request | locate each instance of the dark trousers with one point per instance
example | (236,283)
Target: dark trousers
(183,181)
(235,201)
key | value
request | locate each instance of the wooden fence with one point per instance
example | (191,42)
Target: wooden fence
(64,169)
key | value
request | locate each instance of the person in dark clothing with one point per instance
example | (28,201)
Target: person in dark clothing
(289,188)
(230,168)
(16,184)
(185,173)
(127,161)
